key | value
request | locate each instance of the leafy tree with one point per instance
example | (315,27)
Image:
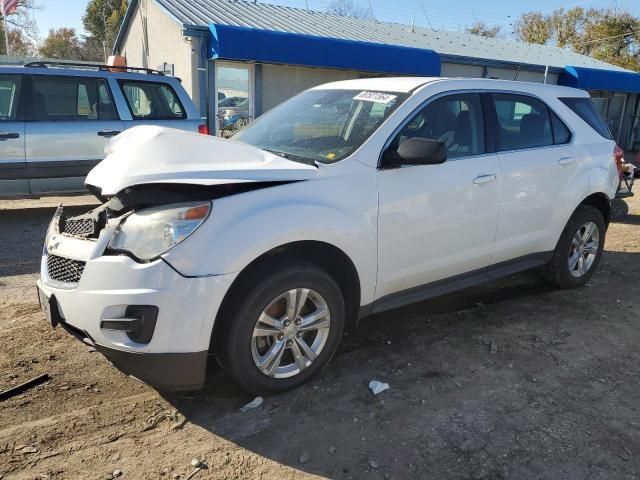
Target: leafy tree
(349,8)
(63,44)
(612,36)
(533,27)
(482,29)
(19,44)
(102,21)
(567,25)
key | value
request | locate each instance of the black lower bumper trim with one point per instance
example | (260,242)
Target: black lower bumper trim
(164,371)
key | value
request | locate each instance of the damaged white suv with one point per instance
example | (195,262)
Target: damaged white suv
(349,199)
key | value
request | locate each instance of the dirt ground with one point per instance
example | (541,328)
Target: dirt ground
(511,380)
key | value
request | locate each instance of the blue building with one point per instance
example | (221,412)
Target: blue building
(238,59)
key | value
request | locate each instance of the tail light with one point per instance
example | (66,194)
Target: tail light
(203,129)
(618,158)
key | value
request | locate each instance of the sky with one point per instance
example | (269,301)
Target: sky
(440,14)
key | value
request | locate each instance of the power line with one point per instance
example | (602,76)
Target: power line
(607,38)
(425,14)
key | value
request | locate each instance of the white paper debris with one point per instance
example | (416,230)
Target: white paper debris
(255,403)
(377,387)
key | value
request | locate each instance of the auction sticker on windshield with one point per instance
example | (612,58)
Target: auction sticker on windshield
(377,97)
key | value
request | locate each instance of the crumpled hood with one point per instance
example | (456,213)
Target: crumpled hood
(151,154)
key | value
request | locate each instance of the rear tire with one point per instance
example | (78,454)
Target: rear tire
(579,249)
(263,350)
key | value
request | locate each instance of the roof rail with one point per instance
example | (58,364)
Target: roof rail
(97,66)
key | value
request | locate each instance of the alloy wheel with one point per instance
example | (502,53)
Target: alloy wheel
(583,249)
(290,333)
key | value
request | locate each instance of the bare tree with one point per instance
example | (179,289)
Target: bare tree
(349,8)
(23,19)
(533,27)
(483,30)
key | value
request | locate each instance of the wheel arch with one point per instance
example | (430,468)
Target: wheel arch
(601,202)
(324,255)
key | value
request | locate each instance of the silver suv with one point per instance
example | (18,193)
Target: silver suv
(55,119)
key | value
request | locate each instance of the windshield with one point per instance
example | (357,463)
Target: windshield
(322,125)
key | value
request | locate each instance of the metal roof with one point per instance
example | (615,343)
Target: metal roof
(297,20)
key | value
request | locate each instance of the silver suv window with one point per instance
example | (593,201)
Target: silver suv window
(152,101)
(57,99)
(10,86)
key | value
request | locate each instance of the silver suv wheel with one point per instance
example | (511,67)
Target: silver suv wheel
(583,249)
(290,333)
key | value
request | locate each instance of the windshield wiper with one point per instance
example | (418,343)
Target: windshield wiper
(293,158)
(276,152)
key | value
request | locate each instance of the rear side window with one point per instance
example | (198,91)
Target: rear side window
(57,99)
(584,108)
(10,86)
(561,133)
(523,122)
(152,101)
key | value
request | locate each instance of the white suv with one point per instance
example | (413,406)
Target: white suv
(349,199)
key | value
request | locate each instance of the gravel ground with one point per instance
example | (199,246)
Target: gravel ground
(511,380)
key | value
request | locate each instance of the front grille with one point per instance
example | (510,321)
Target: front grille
(64,270)
(80,227)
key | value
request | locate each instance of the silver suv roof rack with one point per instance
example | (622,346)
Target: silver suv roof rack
(97,66)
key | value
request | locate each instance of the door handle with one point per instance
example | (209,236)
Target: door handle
(8,136)
(108,133)
(566,160)
(480,179)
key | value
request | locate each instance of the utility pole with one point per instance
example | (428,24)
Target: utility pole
(6,32)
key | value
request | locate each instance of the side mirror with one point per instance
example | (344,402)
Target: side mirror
(416,151)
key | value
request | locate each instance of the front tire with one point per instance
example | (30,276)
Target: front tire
(579,249)
(282,330)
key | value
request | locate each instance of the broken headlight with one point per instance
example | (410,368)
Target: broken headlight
(149,233)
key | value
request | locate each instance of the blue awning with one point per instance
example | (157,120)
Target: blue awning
(596,79)
(266,46)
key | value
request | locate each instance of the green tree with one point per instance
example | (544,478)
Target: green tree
(482,29)
(567,25)
(612,36)
(63,44)
(102,21)
(533,27)
(608,34)
(19,43)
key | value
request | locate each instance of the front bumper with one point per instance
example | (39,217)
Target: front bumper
(175,355)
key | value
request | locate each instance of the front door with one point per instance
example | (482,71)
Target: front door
(69,121)
(439,221)
(13,177)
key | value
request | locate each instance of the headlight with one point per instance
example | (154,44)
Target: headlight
(53,230)
(149,233)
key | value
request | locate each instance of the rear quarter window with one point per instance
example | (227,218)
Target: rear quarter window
(584,108)
(152,101)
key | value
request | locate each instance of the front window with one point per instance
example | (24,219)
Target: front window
(321,125)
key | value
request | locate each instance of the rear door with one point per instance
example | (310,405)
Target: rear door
(69,121)
(13,167)
(155,103)
(537,160)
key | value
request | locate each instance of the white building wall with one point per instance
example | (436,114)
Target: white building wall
(163,43)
